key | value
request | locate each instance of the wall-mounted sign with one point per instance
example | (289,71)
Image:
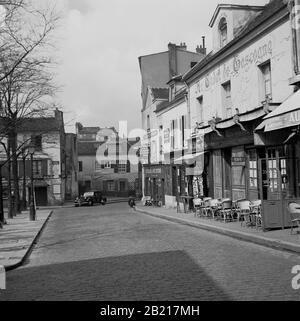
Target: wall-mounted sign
(238,161)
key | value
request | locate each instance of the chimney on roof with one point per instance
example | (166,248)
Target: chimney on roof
(183,46)
(201,49)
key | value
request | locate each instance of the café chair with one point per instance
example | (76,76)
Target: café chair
(226,210)
(294,210)
(243,212)
(206,207)
(214,207)
(198,205)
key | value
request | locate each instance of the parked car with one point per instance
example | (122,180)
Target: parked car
(90,198)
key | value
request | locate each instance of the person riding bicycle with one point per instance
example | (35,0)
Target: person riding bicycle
(131,202)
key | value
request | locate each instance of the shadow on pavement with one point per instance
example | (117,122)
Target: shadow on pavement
(156,276)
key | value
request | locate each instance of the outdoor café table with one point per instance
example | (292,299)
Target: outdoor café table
(186,202)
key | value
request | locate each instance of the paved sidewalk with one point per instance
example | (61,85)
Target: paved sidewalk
(278,239)
(19,236)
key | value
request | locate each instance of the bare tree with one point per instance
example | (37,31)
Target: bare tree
(26,70)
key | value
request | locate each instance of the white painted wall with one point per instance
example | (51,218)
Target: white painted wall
(243,72)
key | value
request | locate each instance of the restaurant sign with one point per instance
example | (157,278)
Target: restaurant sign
(283,121)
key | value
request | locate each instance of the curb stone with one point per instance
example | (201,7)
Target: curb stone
(30,248)
(259,240)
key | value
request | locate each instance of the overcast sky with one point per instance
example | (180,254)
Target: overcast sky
(101,43)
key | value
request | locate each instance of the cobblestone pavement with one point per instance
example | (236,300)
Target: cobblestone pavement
(115,253)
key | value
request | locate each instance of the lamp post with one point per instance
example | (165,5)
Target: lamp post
(32,213)
(24,202)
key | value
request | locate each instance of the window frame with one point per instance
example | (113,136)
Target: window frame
(262,68)
(223,32)
(228,107)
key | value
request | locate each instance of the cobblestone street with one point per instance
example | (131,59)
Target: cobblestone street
(114,253)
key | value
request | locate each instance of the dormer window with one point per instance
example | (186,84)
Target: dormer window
(223,32)
(172,92)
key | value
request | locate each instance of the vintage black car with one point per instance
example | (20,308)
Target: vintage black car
(90,198)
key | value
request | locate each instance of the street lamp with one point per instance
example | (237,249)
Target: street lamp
(32,213)
(24,203)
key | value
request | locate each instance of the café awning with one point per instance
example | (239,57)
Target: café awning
(286,115)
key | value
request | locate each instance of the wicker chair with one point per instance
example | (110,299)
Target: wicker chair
(294,210)
(226,210)
(198,205)
(243,212)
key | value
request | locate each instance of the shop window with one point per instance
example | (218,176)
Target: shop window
(223,32)
(227,101)
(253,169)
(266,80)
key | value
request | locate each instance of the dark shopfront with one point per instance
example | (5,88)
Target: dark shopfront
(155,183)
(262,166)
(279,176)
(162,180)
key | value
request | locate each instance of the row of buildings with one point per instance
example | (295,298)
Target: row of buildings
(225,124)
(68,164)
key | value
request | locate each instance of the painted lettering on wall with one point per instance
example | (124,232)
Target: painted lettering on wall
(257,55)
(233,67)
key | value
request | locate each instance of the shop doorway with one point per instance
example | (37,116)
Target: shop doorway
(279,186)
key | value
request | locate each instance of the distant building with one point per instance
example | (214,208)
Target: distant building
(49,167)
(104,162)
